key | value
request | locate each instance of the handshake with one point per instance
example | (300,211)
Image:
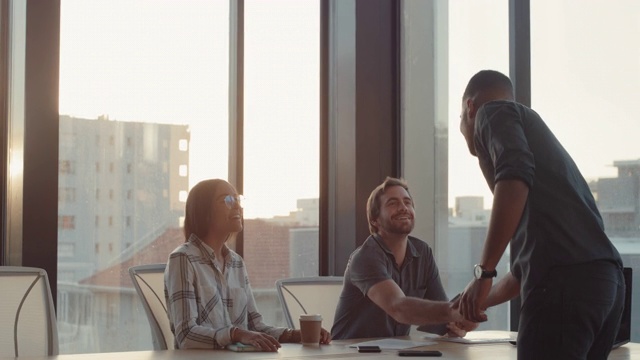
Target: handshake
(460,326)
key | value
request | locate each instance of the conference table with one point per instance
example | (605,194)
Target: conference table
(338,349)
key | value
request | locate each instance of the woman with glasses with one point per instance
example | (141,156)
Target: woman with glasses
(209,299)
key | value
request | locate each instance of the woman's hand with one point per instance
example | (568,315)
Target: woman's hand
(325,336)
(260,340)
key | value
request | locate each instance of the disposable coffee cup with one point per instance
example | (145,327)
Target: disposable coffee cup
(310,326)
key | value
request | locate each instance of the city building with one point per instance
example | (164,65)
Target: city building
(121,185)
(619,200)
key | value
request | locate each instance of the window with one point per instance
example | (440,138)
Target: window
(585,82)
(442,47)
(182,170)
(281,102)
(66,167)
(474,45)
(158,72)
(66,250)
(67,194)
(66,222)
(69,139)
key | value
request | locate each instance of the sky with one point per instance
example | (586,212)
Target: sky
(166,61)
(585,79)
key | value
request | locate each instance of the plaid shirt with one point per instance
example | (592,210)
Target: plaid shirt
(204,303)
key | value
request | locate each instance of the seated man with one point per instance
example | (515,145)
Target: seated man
(392,281)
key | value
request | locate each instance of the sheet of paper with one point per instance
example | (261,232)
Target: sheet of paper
(478,337)
(393,344)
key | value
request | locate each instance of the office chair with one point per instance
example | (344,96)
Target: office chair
(149,283)
(309,295)
(27,317)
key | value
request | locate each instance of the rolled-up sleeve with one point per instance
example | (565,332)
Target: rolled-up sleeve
(500,132)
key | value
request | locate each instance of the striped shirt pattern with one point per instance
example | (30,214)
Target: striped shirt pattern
(205,303)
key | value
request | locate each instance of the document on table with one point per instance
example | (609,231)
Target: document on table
(479,337)
(393,344)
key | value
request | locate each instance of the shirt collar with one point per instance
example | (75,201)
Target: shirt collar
(412,249)
(206,248)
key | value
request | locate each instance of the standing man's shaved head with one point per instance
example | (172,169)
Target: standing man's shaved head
(483,87)
(489,82)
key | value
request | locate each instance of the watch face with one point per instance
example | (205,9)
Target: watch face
(477,271)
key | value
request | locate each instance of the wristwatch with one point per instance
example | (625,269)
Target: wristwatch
(480,273)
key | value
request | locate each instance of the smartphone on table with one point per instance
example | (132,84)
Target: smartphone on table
(419,353)
(369,349)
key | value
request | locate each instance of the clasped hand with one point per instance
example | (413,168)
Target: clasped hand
(472,301)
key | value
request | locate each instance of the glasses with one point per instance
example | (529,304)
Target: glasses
(232,201)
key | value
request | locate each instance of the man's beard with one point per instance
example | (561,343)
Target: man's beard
(393,228)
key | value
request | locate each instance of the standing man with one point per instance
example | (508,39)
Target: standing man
(392,281)
(567,271)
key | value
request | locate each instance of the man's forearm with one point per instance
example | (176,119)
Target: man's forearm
(416,311)
(506,289)
(509,199)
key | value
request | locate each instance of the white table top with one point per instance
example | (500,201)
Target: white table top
(338,349)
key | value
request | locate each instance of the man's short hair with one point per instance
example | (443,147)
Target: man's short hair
(373,204)
(487,80)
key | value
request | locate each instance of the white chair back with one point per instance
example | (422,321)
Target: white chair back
(27,317)
(309,295)
(149,283)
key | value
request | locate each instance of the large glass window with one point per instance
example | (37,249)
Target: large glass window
(585,84)
(443,45)
(143,117)
(474,44)
(281,154)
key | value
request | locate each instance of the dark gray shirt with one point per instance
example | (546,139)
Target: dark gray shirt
(560,224)
(357,316)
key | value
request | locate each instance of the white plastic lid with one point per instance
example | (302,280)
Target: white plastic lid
(310,317)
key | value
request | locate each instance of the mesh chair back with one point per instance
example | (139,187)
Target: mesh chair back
(149,283)
(27,317)
(312,295)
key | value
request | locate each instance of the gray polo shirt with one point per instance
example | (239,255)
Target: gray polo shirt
(357,316)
